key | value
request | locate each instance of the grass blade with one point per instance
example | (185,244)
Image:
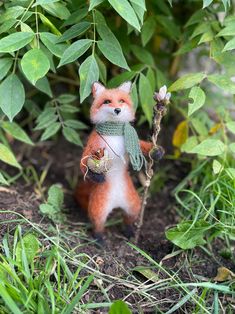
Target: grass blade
(8,300)
(182,301)
(77,298)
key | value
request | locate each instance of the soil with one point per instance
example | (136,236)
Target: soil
(116,258)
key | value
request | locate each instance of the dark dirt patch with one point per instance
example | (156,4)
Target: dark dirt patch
(116,258)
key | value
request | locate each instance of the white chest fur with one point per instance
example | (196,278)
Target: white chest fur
(116,174)
(115,146)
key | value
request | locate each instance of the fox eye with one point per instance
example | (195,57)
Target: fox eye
(121,101)
(106,102)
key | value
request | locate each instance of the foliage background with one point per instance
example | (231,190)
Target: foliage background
(51,49)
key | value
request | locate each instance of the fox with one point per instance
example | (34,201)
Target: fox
(100,193)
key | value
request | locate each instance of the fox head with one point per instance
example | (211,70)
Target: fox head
(112,104)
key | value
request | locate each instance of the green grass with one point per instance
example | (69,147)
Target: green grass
(39,274)
(43,268)
(205,196)
(42,273)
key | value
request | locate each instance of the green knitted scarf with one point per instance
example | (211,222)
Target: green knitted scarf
(130,139)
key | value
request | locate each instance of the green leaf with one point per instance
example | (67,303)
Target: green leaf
(230,45)
(119,307)
(66,98)
(49,24)
(74,124)
(151,77)
(7,156)
(187,47)
(231,126)
(11,13)
(196,18)
(188,234)
(187,81)
(51,42)
(134,95)
(140,3)
(57,9)
(216,166)
(51,130)
(15,41)
(42,2)
(3,180)
(102,70)
(16,131)
(73,52)
(72,136)
(226,3)
(126,11)
(199,97)
(68,108)
(227,31)
(44,86)
(232,147)
(148,30)
(5,65)
(48,210)
(206,3)
(199,126)
(161,79)
(45,118)
(223,82)
(35,65)
(25,28)
(75,31)
(76,16)
(94,3)
(56,196)
(7,25)
(207,36)
(169,26)
(30,245)
(12,96)
(143,55)
(231,172)
(209,147)
(88,73)
(121,78)
(139,11)
(189,144)
(114,53)
(146,97)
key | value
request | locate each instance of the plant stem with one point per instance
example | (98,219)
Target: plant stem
(159,112)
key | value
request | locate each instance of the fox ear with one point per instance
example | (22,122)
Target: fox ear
(125,87)
(97,89)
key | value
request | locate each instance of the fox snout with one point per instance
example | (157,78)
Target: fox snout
(117,111)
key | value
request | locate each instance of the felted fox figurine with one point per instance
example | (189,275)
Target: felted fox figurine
(116,140)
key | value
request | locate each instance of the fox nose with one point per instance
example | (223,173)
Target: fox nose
(117,110)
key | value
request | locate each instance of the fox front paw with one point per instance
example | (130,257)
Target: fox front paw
(157,153)
(96,177)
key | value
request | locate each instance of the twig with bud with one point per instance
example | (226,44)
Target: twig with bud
(162,99)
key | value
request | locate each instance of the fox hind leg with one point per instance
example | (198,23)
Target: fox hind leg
(132,210)
(98,210)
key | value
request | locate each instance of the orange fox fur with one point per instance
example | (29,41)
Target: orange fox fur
(117,190)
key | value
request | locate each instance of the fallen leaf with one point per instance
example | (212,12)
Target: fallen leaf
(215,128)
(181,134)
(224,274)
(147,273)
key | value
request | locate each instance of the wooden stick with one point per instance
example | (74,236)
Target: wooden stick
(160,110)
